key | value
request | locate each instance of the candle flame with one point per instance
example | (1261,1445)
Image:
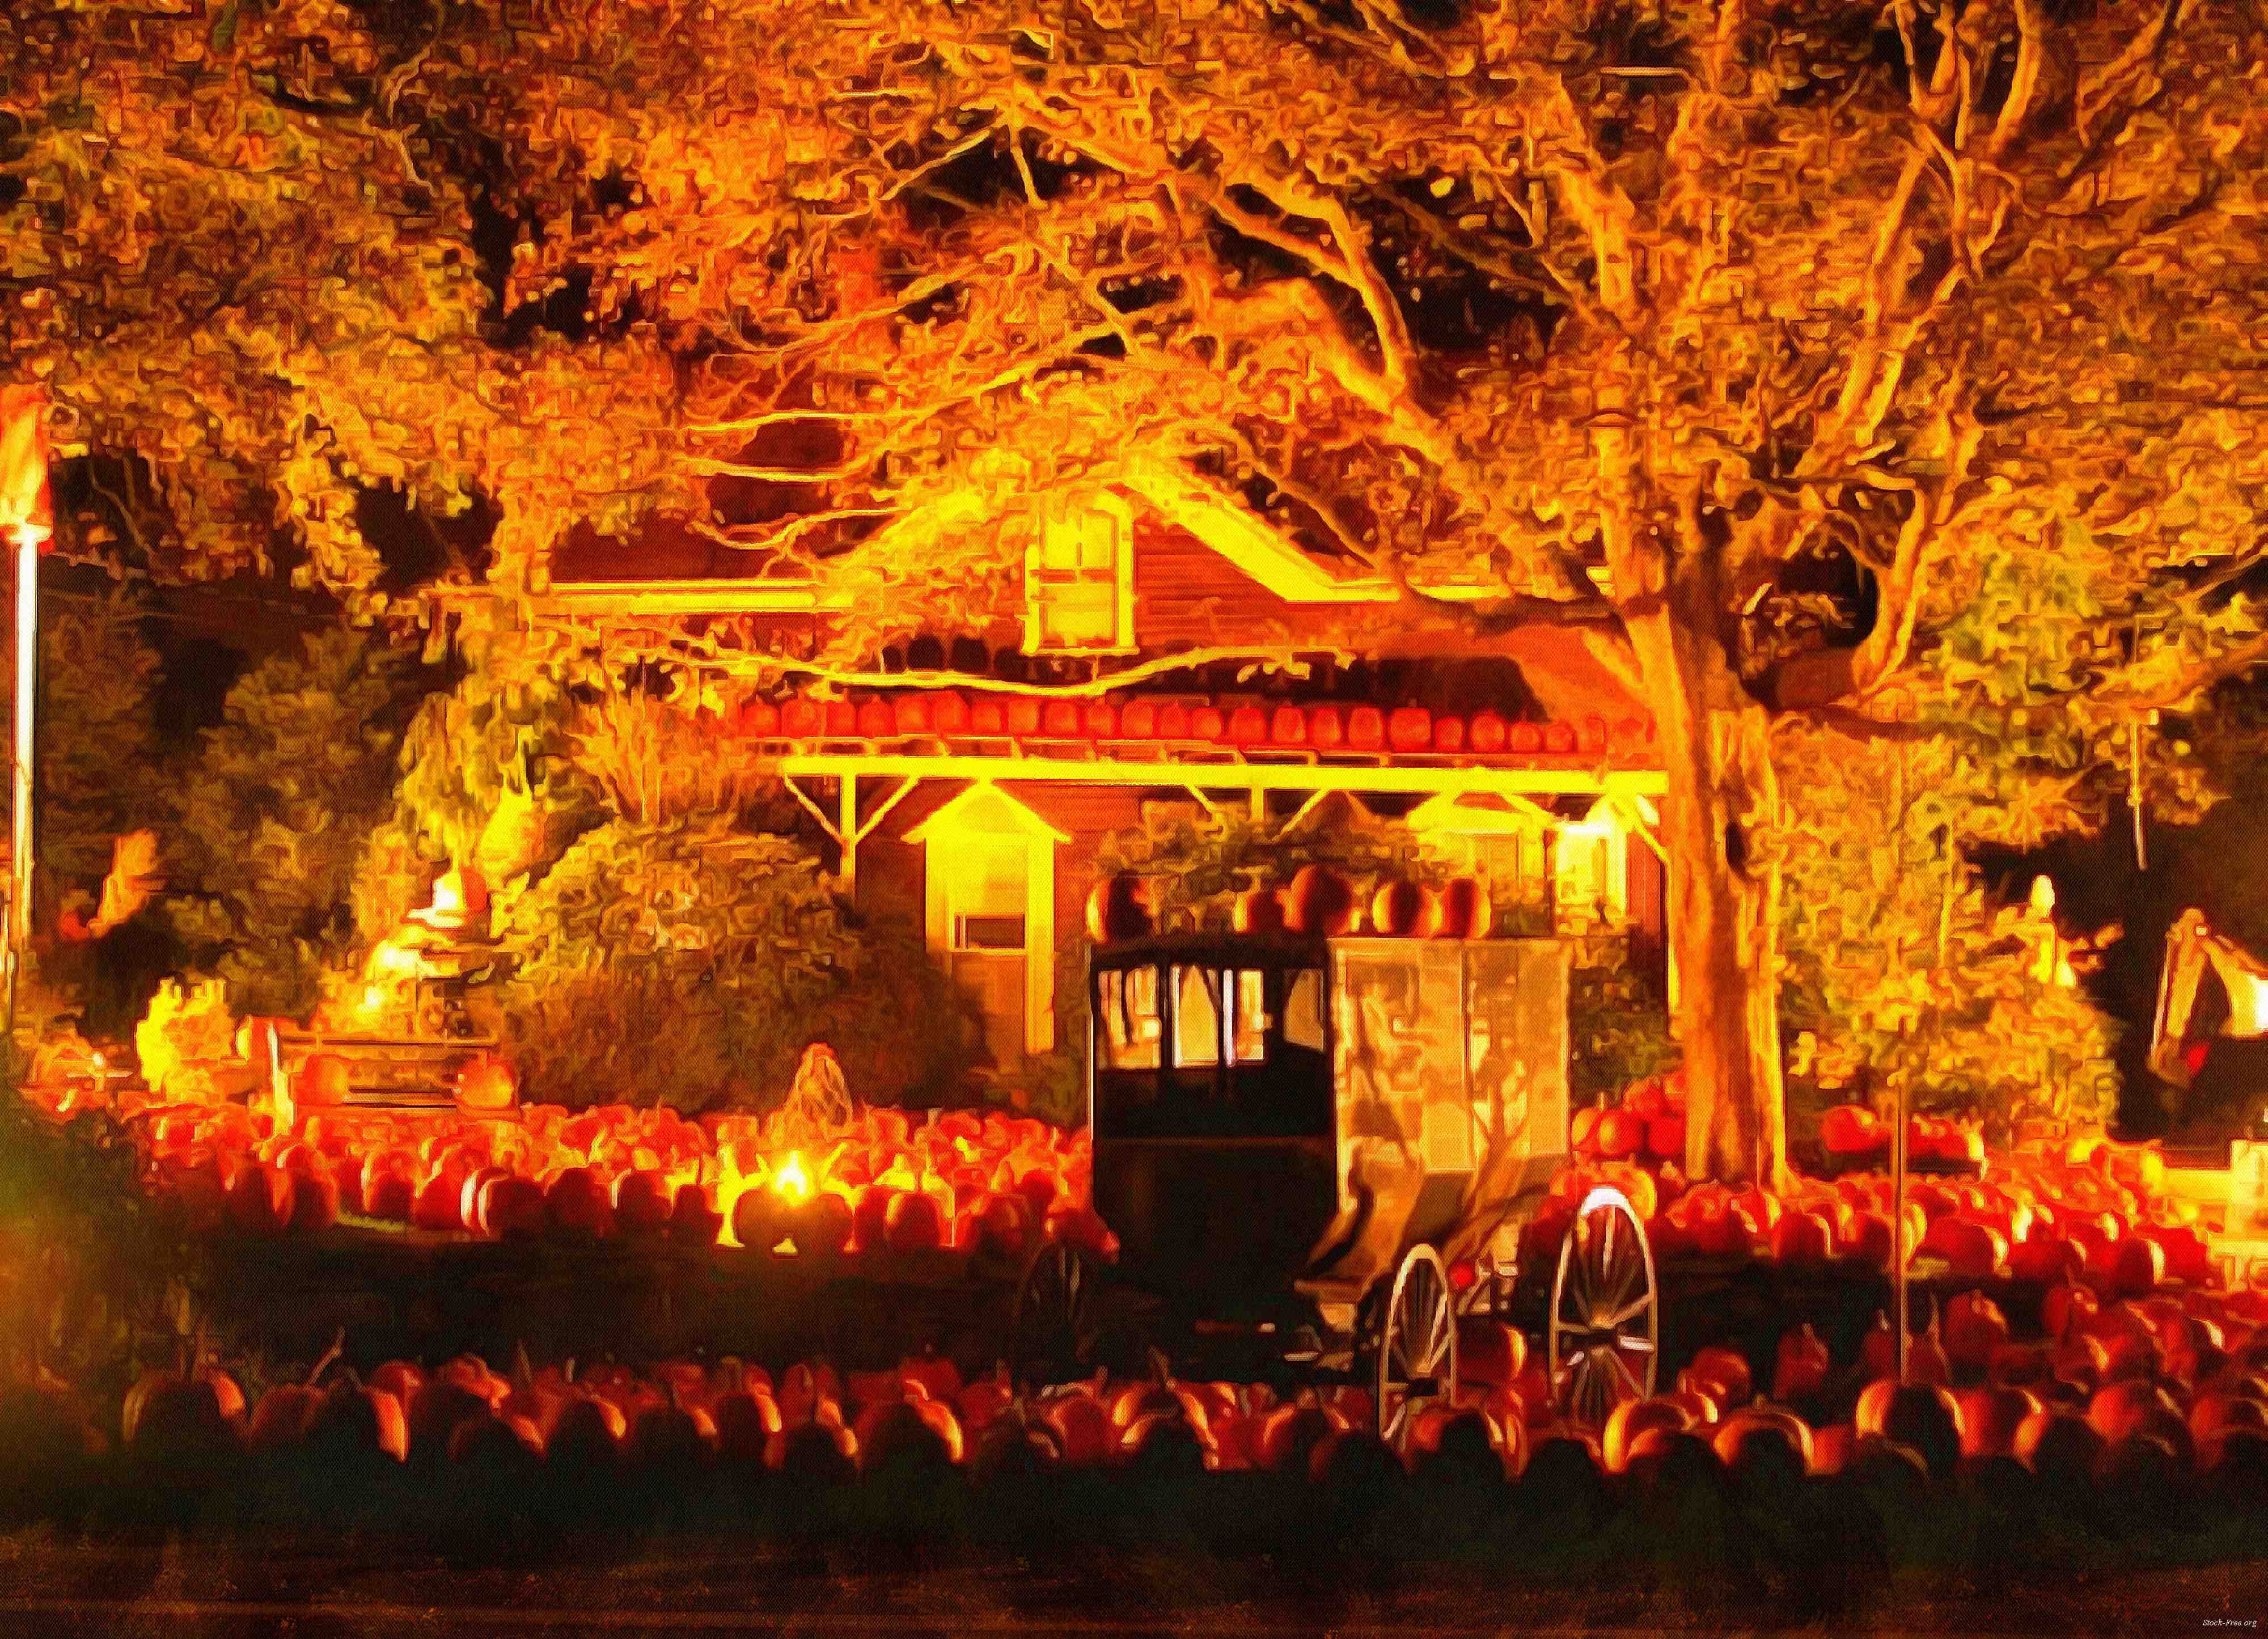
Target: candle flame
(791,1180)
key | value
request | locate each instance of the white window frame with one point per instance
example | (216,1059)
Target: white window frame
(985,810)
(1080,514)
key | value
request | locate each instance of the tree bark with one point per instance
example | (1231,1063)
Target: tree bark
(1722,796)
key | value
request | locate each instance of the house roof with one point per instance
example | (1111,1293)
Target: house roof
(1573,671)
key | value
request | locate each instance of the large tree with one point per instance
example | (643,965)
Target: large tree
(1881,365)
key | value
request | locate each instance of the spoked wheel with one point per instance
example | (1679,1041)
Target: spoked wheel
(1413,1358)
(1055,1326)
(1606,1312)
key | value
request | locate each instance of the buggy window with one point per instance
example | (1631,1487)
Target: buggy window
(1196,1017)
(1303,1009)
(1132,1031)
(1249,1042)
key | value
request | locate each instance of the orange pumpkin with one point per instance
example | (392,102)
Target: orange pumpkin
(1118,909)
(1852,1130)
(1462,911)
(1397,909)
(1259,911)
(1320,901)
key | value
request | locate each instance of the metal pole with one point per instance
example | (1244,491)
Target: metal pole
(1899,1250)
(27,656)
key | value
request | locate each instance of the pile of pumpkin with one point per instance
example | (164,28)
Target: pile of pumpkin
(2187,1374)
(2099,1209)
(1643,1126)
(879,1182)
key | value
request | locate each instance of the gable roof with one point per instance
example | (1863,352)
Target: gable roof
(985,808)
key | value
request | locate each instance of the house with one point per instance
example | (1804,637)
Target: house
(982,790)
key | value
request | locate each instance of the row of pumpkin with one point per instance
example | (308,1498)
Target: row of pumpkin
(1647,1122)
(1318,900)
(2098,1212)
(1412,729)
(877,1184)
(2177,1382)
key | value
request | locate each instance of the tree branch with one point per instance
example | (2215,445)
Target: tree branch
(2203,674)
(1284,658)
(1455,241)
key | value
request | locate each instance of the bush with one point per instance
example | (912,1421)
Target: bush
(692,963)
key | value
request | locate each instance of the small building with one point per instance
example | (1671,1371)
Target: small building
(1115,687)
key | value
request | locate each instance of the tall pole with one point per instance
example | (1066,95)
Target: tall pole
(19,859)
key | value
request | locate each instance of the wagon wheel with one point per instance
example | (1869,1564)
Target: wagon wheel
(1413,1358)
(1606,1314)
(1054,1329)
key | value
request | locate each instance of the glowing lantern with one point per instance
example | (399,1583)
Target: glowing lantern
(487,1083)
(461,900)
(790,1181)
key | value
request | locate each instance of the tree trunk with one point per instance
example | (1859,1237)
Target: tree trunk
(1724,878)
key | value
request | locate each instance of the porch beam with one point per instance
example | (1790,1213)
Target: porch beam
(882,810)
(1198,778)
(1314,800)
(787,778)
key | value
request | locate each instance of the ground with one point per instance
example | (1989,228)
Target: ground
(49,1590)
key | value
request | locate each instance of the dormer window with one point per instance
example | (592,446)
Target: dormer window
(1078,580)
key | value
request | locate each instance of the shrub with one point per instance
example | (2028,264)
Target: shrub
(691,962)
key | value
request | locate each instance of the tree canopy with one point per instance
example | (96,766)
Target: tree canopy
(1895,366)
